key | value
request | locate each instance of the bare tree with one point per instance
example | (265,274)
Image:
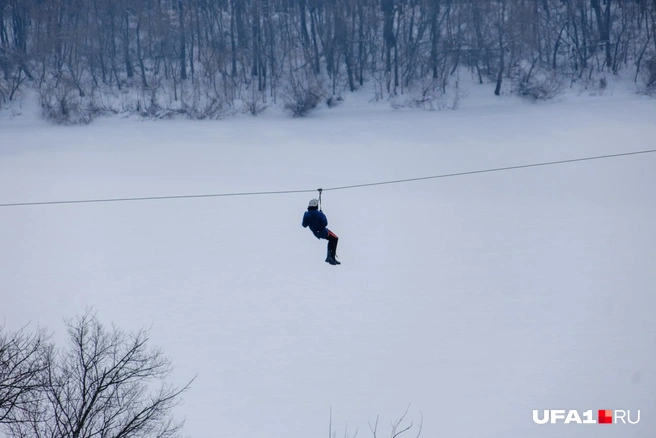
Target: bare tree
(23,359)
(102,385)
(398,426)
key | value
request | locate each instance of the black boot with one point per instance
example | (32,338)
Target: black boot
(333,256)
(330,259)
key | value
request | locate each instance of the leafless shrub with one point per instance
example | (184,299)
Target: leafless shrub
(457,97)
(541,89)
(148,106)
(301,99)
(648,73)
(432,91)
(202,103)
(302,96)
(3,93)
(61,102)
(254,107)
(13,85)
(594,83)
(535,83)
(334,100)
(433,95)
(254,104)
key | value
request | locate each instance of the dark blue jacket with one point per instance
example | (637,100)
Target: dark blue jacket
(316,220)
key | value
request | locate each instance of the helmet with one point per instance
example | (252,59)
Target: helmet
(313,203)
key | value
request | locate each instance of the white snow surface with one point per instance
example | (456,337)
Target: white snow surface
(472,299)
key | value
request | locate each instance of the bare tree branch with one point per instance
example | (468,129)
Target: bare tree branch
(101,385)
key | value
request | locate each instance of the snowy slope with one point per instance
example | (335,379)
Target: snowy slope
(475,299)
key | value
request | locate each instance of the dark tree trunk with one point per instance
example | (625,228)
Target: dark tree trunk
(183,45)
(304,32)
(126,46)
(142,68)
(502,50)
(313,29)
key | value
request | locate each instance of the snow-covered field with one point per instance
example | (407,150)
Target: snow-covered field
(473,299)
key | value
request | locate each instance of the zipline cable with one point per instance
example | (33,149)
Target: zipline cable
(496,169)
(354,186)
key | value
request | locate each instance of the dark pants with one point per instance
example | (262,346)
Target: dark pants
(332,242)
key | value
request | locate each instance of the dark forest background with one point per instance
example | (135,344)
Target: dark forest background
(210,58)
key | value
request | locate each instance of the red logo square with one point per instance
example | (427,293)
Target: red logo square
(605,416)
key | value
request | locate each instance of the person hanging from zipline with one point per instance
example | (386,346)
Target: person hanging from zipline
(317,221)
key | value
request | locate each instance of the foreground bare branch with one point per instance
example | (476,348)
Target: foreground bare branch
(23,359)
(101,385)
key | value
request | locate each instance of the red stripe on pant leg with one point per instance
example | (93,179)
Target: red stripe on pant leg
(330,233)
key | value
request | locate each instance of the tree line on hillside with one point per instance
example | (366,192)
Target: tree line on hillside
(208,58)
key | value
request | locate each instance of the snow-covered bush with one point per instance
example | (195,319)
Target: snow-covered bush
(63,103)
(199,101)
(544,88)
(334,101)
(3,93)
(649,77)
(254,104)
(431,95)
(300,100)
(536,83)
